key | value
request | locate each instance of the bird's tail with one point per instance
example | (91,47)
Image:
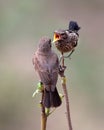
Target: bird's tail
(51,99)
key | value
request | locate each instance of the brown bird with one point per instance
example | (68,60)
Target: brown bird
(66,40)
(46,64)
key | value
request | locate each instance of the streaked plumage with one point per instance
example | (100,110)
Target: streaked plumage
(66,40)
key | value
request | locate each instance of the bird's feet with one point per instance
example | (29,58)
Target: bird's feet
(62,70)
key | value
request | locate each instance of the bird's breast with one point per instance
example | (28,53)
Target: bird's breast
(64,46)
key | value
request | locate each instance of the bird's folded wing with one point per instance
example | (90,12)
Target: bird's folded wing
(41,70)
(47,77)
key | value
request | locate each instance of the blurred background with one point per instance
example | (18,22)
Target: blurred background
(22,24)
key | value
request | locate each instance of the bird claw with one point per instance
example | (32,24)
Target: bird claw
(62,70)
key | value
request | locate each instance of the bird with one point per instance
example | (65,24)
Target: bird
(46,64)
(66,40)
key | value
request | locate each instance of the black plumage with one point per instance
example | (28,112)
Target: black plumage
(73,26)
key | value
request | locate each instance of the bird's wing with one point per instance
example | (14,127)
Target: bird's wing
(42,71)
(54,70)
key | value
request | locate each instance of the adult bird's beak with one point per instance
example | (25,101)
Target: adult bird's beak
(56,37)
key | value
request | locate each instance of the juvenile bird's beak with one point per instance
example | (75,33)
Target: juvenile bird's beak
(56,37)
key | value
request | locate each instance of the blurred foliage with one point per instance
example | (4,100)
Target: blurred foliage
(22,23)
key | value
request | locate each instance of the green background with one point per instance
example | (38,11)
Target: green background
(22,24)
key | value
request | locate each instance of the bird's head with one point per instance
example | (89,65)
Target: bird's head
(59,35)
(45,44)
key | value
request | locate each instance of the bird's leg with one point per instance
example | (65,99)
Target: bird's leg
(62,67)
(62,58)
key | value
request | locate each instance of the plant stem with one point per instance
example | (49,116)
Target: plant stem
(66,98)
(43,121)
(43,115)
(67,106)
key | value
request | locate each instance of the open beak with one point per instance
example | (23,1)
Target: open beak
(56,37)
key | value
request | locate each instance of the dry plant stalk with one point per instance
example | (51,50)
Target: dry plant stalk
(43,115)
(66,98)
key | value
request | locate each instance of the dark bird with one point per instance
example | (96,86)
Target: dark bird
(66,40)
(46,63)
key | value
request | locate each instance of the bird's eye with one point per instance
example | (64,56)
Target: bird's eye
(50,43)
(64,36)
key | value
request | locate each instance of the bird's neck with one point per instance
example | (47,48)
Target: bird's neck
(44,53)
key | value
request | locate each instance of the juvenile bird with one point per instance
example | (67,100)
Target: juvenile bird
(66,40)
(46,63)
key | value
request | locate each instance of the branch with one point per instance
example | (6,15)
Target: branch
(40,89)
(67,102)
(43,115)
(63,82)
